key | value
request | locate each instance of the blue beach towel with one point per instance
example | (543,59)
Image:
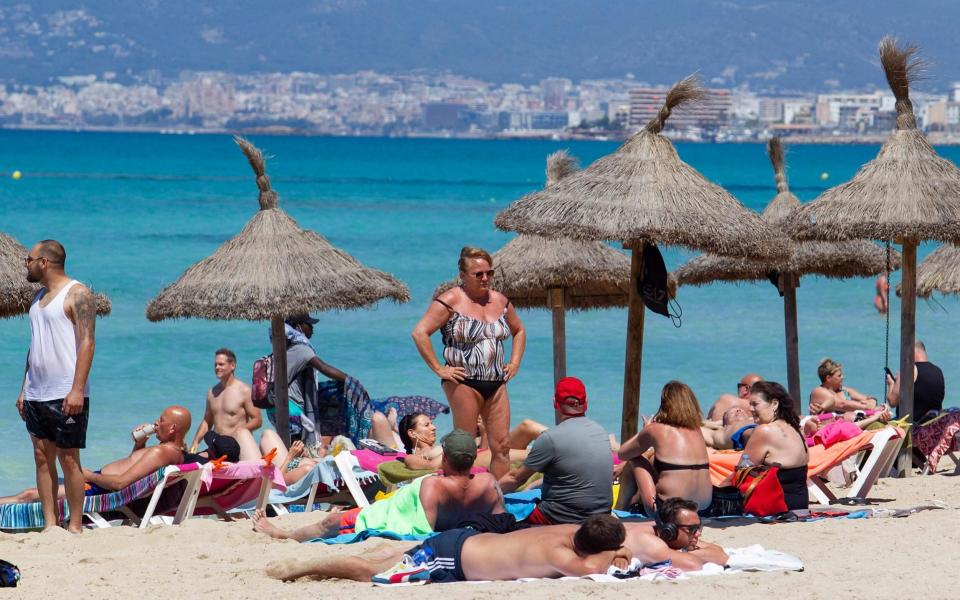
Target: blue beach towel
(353,538)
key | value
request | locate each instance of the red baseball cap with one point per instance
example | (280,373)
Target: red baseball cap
(570,392)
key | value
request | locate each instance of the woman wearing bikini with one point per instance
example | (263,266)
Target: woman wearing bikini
(474,320)
(668,457)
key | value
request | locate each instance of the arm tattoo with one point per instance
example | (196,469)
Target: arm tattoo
(85,313)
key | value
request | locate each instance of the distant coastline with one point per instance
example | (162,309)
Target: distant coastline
(935,138)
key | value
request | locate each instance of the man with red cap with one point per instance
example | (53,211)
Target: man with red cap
(575,459)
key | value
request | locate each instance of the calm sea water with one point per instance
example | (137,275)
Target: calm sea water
(134,210)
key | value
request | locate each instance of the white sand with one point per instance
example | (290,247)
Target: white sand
(844,558)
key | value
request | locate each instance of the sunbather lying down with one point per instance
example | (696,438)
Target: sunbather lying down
(428,504)
(419,436)
(468,555)
(171,427)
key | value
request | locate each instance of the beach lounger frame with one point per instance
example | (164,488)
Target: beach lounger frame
(885,446)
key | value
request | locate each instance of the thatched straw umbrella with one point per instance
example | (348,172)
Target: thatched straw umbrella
(644,194)
(16,292)
(832,259)
(558,273)
(906,194)
(271,270)
(939,272)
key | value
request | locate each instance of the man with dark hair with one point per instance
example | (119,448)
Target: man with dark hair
(230,415)
(675,536)
(54,399)
(425,505)
(576,461)
(468,555)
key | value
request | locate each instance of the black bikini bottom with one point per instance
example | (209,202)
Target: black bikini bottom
(486,389)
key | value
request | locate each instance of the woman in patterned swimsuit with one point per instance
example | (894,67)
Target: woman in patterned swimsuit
(474,320)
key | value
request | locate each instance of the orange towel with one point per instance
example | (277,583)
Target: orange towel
(723,462)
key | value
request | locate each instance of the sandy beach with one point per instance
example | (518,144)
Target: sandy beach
(844,558)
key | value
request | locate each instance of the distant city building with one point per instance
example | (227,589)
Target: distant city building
(712,110)
(553,90)
(442,115)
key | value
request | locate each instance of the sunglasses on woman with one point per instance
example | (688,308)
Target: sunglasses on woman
(480,274)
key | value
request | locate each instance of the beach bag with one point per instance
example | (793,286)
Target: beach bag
(761,490)
(652,285)
(264,396)
(9,574)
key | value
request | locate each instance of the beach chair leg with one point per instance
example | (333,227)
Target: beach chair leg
(155,498)
(819,490)
(98,521)
(278,509)
(345,463)
(882,455)
(188,504)
(134,519)
(311,497)
(265,486)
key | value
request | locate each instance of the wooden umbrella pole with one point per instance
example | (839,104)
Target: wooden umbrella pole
(908,313)
(634,354)
(789,284)
(279,338)
(555,299)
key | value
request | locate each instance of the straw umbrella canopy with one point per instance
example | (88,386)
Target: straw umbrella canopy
(939,272)
(644,194)
(853,258)
(906,194)
(559,273)
(16,293)
(271,270)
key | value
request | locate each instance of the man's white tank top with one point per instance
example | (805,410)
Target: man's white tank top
(53,350)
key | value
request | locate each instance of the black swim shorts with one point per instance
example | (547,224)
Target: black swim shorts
(442,554)
(46,421)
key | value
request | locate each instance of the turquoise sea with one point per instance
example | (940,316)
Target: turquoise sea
(135,210)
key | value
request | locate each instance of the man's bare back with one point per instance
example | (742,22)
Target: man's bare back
(448,500)
(534,552)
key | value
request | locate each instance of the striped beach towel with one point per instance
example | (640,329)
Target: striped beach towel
(29,515)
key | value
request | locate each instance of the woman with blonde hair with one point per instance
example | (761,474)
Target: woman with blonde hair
(668,457)
(475,320)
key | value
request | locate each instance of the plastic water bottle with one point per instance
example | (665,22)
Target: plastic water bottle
(745,462)
(422,556)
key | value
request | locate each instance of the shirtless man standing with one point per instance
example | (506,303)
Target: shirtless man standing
(731,432)
(171,429)
(674,537)
(440,502)
(468,555)
(832,395)
(230,412)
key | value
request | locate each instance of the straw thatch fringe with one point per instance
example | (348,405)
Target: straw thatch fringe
(902,68)
(839,260)
(939,272)
(685,90)
(268,198)
(273,268)
(559,165)
(16,293)
(907,192)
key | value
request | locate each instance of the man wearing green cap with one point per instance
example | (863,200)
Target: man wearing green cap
(425,505)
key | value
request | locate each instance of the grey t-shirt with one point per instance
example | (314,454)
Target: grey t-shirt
(300,373)
(577,467)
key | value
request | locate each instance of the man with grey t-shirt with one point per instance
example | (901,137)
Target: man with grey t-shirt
(302,360)
(575,459)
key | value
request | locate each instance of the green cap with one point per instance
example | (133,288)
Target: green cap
(459,443)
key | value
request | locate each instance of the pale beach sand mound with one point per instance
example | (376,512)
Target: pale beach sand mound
(844,558)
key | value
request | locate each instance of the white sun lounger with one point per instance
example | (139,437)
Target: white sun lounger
(879,459)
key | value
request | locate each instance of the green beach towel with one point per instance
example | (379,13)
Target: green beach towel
(400,513)
(393,472)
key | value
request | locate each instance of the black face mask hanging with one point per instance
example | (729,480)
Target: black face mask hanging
(652,286)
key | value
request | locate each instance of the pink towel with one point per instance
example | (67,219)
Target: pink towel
(838,431)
